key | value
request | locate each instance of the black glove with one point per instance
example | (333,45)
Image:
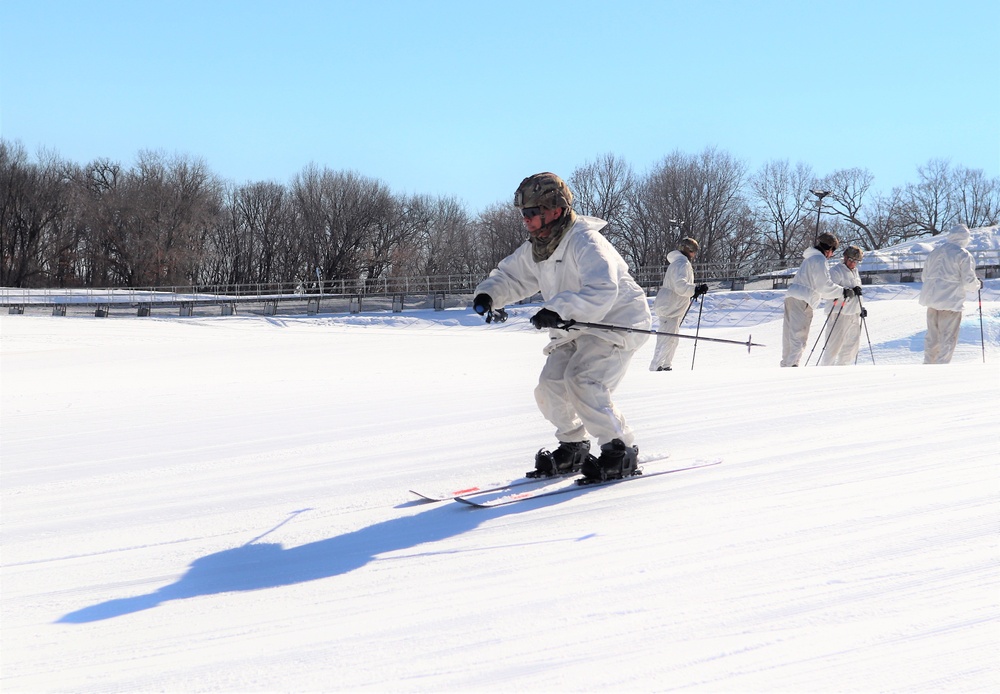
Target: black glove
(700,289)
(864,313)
(847,293)
(548,319)
(483,305)
(857,291)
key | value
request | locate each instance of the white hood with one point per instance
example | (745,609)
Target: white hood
(959,235)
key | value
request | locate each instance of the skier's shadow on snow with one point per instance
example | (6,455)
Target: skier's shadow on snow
(258,565)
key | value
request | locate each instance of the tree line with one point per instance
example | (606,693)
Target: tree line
(170,221)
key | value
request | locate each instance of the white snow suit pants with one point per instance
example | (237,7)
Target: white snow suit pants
(575,386)
(843,337)
(795,330)
(666,346)
(942,335)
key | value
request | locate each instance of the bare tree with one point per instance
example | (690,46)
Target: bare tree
(872,220)
(147,226)
(34,206)
(721,200)
(604,189)
(977,197)
(255,241)
(336,214)
(105,194)
(443,244)
(745,250)
(703,193)
(398,226)
(929,206)
(654,226)
(178,201)
(783,207)
(498,230)
(167,220)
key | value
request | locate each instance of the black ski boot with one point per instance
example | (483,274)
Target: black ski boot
(616,461)
(568,458)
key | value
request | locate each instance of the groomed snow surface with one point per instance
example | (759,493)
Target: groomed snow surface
(221,504)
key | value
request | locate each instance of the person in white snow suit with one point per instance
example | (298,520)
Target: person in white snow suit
(843,324)
(673,300)
(808,288)
(949,272)
(583,278)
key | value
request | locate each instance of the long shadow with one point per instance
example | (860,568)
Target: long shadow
(258,565)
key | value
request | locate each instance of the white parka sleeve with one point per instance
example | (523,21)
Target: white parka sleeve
(513,279)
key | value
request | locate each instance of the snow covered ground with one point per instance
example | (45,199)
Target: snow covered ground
(221,504)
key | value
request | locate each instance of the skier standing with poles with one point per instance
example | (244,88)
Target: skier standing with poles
(949,272)
(843,337)
(807,289)
(673,301)
(581,278)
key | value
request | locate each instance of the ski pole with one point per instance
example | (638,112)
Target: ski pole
(820,334)
(829,334)
(865,326)
(686,311)
(982,340)
(567,325)
(694,353)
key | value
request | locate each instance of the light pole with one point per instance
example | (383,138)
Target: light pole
(820,194)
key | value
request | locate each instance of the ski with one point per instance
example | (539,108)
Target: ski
(484,488)
(568,484)
(516,482)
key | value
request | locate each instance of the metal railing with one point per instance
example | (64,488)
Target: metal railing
(892,268)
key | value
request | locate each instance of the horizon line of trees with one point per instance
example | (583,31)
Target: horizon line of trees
(169,221)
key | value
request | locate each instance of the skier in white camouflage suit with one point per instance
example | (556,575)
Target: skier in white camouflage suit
(949,272)
(843,323)
(673,301)
(808,288)
(583,278)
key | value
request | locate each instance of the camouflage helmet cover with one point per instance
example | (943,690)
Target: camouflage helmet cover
(854,253)
(543,190)
(687,245)
(827,242)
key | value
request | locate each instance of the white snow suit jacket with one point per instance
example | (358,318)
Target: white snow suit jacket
(846,277)
(585,279)
(675,295)
(812,281)
(949,273)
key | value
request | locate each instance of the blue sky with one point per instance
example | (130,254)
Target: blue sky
(465,98)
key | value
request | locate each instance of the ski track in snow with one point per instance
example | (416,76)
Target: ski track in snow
(221,505)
